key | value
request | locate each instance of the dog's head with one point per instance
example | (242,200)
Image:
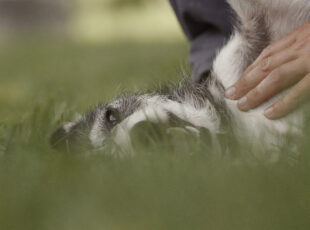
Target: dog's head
(143,115)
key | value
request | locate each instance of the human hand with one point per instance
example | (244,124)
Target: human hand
(282,64)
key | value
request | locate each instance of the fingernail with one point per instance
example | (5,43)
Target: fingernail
(230,92)
(242,102)
(268,112)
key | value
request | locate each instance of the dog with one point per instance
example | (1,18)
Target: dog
(200,107)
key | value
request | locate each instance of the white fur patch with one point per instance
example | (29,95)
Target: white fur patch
(67,127)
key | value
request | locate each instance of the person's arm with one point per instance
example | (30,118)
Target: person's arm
(283,64)
(207,25)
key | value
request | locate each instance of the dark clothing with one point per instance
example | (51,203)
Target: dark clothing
(207,25)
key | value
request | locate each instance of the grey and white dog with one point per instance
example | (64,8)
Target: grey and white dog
(195,107)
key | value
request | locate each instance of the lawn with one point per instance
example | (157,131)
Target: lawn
(46,81)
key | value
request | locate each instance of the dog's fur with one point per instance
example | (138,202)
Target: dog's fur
(203,105)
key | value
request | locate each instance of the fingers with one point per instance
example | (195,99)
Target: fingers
(251,79)
(291,100)
(302,34)
(270,58)
(273,48)
(280,65)
(276,81)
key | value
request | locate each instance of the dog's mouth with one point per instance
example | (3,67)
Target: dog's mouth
(170,132)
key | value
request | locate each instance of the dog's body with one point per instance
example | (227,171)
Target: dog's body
(204,105)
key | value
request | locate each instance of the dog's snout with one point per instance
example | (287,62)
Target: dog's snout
(59,139)
(70,139)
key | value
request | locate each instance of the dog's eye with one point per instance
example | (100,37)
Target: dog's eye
(112,117)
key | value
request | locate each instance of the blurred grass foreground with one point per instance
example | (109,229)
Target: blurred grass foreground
(61,57)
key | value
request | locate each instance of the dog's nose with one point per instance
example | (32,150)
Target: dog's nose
(72,140)
(59,138)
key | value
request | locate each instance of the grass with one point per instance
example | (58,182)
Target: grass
(44,82)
